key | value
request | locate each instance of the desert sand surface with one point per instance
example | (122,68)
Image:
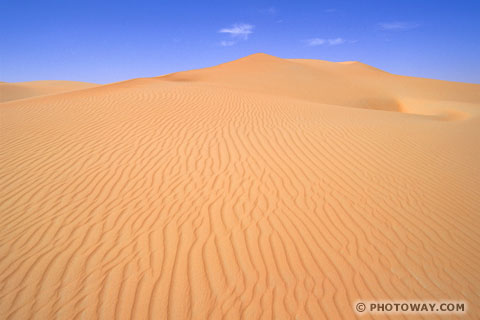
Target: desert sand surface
(262,188)
(21,90)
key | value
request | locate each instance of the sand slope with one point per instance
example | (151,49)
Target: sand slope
(22,90)
(261,188)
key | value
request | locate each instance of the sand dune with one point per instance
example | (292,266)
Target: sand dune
(261,188)
(22,90)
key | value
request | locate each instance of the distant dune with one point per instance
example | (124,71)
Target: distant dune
(22,90)
(262,188)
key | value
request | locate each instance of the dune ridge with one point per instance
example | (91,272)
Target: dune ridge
(264,188)
(28,89)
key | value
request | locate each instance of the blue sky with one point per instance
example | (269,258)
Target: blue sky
(108,41)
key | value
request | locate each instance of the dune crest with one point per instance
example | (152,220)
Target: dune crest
(348,84)
(22,90)
(263,188)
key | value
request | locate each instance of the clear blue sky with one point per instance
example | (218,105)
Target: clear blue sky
(107,41)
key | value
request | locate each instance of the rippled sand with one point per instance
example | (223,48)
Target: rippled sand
(260,188)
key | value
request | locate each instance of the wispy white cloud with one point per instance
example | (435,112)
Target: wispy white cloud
(397,25)
(316,42)
(239,31)
(270,11)
(226,43)
(336,41)
(319,42)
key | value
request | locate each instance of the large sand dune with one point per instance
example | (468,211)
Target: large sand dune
(260,188)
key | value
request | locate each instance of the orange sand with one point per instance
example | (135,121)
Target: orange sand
(260,188)
(21,90)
